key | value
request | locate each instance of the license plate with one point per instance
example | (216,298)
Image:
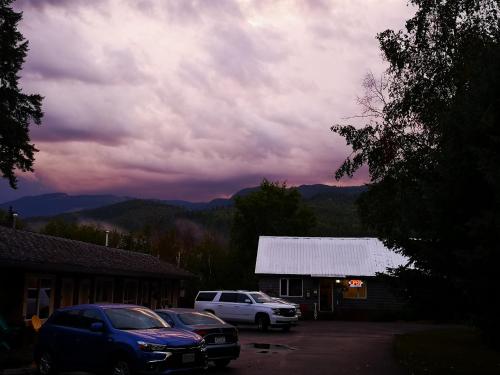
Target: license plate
(188,358)
(220,340)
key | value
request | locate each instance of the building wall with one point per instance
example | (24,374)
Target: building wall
(66,288)
(380,302)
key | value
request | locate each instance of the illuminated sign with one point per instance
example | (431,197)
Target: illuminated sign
(355,283)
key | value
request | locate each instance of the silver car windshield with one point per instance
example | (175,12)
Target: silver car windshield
(261,298)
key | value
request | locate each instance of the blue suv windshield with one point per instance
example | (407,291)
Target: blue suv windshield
(132,318)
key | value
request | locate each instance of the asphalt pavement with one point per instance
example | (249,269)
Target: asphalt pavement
(320,347)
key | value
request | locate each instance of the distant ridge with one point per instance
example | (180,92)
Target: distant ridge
(56,203)
(60,203)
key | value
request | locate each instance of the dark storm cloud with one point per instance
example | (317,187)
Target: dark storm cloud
(66,129)
(195,99)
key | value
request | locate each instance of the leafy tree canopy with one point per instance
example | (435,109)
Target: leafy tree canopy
(17,110)
(273,210)
(432,142)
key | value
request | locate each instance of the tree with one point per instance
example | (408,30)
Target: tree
(433,150)
(273,210)
(17,110)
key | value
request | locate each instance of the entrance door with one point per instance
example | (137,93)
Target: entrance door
(326,295)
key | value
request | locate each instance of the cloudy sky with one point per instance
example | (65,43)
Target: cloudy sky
(195,99)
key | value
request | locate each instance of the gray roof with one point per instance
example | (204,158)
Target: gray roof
(31,250)
(325,256)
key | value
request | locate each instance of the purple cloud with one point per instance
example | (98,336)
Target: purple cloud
(196,99)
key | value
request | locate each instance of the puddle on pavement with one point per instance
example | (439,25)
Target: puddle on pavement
(265,348)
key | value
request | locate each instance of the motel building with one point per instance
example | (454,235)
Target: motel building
(40,273)
(334,277)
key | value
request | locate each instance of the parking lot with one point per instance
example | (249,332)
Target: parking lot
(320,347)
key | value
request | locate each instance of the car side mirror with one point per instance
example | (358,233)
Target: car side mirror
(97,327)
(248,301)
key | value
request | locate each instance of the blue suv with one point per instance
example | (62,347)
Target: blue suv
(117,339)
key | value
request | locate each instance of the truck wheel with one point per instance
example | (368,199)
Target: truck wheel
(220,363)
(263,322)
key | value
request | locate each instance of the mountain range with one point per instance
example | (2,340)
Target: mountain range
(58,203)
(334,208)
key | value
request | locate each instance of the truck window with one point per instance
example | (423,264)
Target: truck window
(206,296)
(228,297)
(242,298)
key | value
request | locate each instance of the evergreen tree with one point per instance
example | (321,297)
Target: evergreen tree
(17,110)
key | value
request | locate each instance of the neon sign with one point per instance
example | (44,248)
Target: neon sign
(355,283)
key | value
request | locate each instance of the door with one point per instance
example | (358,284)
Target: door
(94,345)
(245,311)
(64,338)
(326,295)
(225,307)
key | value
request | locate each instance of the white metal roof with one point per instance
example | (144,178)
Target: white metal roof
(324,256)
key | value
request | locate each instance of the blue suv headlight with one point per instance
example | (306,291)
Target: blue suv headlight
(151,347)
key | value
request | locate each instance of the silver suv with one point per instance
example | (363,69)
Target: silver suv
(244,307)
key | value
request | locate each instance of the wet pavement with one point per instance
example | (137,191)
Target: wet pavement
(313,347)
(320,347)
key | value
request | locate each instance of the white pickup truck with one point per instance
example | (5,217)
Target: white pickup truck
(245,307)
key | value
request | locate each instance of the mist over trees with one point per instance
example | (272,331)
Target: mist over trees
(431,143)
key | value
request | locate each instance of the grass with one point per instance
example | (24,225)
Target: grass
(446,351)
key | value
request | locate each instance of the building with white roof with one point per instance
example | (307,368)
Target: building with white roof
(328,274)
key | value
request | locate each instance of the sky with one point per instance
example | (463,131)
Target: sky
(182,99)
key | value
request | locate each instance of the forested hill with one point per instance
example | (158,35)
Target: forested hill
(334,208)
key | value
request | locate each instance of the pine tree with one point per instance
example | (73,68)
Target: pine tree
(17,110)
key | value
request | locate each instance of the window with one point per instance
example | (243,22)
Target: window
(130,292)
(291,287)
(70,318)
(166,317)
(228,297)
(197,318)
(90,316)
(103,290)
(39,298)
(134,318)
(261,298)
(242,298)
(354,290)
(206,296)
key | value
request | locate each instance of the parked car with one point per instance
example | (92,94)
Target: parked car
(247,308)
(285,302)
(120,339)
(221,338)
